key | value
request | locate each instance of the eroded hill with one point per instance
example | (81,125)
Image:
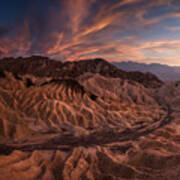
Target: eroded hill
(88,125)
(44,67)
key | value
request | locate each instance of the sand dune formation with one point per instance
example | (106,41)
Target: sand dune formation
(86,120)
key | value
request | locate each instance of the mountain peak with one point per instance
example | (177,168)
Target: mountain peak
(100,60)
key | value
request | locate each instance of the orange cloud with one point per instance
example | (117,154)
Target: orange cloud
(174,28)
(19,44)
(77,11)
(76,30)
(96,38)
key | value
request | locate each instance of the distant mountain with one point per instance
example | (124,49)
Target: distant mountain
(164,72)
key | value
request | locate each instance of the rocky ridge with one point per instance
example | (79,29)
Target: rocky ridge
(88,125)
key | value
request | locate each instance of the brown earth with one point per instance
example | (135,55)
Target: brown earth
(88,125)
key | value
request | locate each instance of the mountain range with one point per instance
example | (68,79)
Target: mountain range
(164,72)
(43,66)
(86,120)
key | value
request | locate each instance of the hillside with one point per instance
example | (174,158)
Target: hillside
(37,66)
(86,120)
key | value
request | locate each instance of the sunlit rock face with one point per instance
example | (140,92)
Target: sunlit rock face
(86,120)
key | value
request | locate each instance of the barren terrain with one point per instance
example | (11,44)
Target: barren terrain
(86,120)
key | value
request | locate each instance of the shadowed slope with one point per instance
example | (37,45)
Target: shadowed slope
(43,67)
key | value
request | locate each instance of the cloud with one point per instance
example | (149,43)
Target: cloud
(177,28)
(3,31)
(78,29)
(17,44)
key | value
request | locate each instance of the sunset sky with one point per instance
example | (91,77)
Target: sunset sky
(118,30)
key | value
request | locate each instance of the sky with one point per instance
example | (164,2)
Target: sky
(146,31)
